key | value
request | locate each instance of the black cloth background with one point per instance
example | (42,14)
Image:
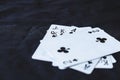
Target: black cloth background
(24,22)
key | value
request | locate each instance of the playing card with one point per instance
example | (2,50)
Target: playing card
(81,49)
(40,53)
(59,30)
(93,39)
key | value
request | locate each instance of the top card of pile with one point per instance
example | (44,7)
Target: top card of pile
(70,45)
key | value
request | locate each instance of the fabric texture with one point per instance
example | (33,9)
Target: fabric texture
(23,23)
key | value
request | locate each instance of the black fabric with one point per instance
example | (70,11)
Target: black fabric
(24,22)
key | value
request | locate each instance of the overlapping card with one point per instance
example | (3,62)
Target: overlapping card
(78,48)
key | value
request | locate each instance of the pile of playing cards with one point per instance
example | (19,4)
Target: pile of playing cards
(78,48)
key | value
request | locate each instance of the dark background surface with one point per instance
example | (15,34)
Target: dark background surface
(23,23)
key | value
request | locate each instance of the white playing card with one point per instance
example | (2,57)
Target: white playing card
(105,62)
(40,52)
(81,49)
(96,40)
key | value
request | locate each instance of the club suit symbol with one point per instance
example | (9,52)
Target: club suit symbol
(63,49)
(54,34)
(104,57)
(75,60)
(89,62)
(102,40)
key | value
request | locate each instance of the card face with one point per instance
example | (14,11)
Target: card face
(86,67)
(40,53)
(81,49)
(67,42)
(105,62)
(99,39)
